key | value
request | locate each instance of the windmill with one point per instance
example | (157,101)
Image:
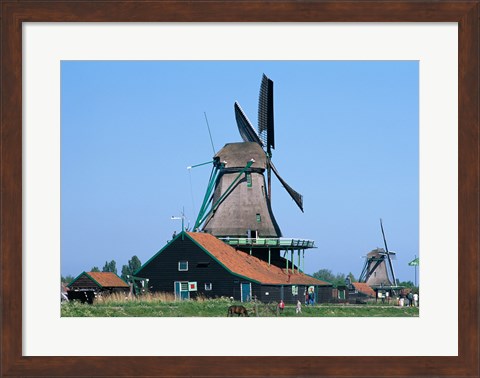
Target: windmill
(238,198)
(378,268)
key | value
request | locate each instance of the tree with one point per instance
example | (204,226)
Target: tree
(133,265)
(339,279)
(67,279)
(110,267)
(336,279)
(407,284)
(125,272)
(95,269)
(352,277)
(324,275)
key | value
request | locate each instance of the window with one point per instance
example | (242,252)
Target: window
(208,286)
(183,266)
(259,218)
(249,180)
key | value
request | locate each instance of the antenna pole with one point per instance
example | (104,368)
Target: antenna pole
(183,221)
(183,218)
(415,272)
(209,133)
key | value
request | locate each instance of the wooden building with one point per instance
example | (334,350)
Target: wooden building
(360,292)
(194,264)
(89,284)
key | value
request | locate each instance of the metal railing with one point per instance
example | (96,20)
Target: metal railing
(270,242)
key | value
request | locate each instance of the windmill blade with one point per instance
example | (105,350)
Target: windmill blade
(388,254)
(245,128)
(391,268)
(362,277)
(383,233)
(265,113)
(297,197)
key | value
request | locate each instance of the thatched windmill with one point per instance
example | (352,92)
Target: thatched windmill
(238,198)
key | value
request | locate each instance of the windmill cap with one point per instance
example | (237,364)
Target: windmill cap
(237,155)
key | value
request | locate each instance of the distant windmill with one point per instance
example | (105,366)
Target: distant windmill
(378,268)
(238,199)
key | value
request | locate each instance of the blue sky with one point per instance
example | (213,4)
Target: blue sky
(346,137)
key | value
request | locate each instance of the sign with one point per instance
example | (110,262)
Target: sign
(192,286)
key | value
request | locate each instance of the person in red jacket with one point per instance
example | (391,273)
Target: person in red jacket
(281,305)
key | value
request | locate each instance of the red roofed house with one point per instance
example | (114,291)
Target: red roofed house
(362,290)
(195,263)
(86,285)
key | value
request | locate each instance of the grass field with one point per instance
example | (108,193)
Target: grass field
(165,306)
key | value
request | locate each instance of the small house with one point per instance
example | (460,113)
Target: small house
(88,284)
(199,264)
(360,292)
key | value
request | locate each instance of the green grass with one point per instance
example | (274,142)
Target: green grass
(166,307)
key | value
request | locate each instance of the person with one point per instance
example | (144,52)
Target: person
(415,299)
(410,299)
(281,305)
(298,310)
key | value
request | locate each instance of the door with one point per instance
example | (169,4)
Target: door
(181,290)
(245,289)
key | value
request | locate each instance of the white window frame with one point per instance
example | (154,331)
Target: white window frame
(182,270)
(294,289)
(208,288)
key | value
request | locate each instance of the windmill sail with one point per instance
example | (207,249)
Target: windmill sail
(265,135)
(297,197)
(388,254)
(265,113)
(245,128)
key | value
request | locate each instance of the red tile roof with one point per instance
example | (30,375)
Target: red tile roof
(243,264)
(364,288)
(107,279)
